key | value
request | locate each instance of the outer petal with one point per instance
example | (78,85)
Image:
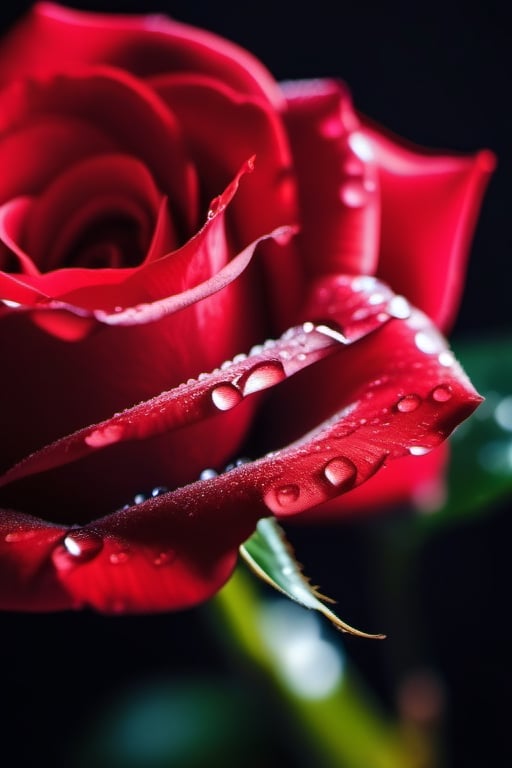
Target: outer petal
(430,205)
(176,549)
(337,179)
(52,37)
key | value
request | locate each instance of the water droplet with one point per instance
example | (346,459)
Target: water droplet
(214,207)
(399,307)
(441,394)
(118,558)
(419,450)
(226,396)
(262,376)
(446,358)
(364,283)
(237,463)
(353,193)
(83,545)
(360,146)
(164,558)
(287,494)
(429,341)
(104,436)
(340,471)
(376,298)
(140,498)
(208,474)
(159,490)
(408,403)
(16,536)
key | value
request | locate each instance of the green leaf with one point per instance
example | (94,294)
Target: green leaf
(480,470)
(271,557)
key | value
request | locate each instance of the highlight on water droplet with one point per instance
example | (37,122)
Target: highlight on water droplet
(446,358)
(104,436)
(225,396)
(360,146)
(408,403)
(399,307)
(83,545)
(340,471)
(442,393)
(262,376)
(215,207)
(353,193)
(419,450)
(429,341)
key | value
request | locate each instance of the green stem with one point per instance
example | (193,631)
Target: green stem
(345,728)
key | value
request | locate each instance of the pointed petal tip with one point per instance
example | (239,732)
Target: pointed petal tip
(486,161)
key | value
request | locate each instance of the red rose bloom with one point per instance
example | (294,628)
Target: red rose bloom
(165,206)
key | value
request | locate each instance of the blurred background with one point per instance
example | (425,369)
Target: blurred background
(85,690)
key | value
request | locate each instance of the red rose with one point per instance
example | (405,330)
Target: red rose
(153,178)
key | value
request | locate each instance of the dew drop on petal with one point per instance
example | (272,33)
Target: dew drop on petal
(225,396)
(441,394)
(208,474)
(159,490)
(360,146)
(408,403)
(16,536)
(419,450)
(446,358)
(214,207)
(353,193)
(83,545)
(340,471)
(262,376)
(118,558)
(429,341)
(283,496)
(399,307)
(104,436)
(163,558)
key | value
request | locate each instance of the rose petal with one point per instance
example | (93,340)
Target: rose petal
(141,44)
(213,115)
(405,394)
(430,205)
(47,228)
(337,179)
(28,155)
(157,288)
(414,480)
(13,216)
(122,108)
(28,581)
(362,305)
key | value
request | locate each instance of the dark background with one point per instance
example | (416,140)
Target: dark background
(438,74)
